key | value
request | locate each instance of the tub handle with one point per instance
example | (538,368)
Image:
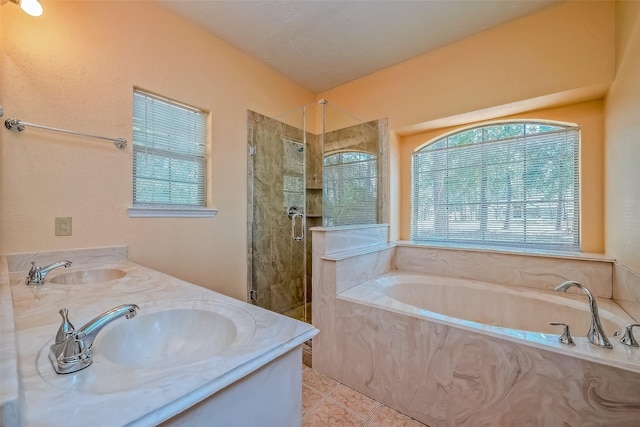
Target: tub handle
(565,338)
(628,338)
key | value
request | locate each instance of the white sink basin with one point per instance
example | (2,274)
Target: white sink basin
(83,277)
(167,338)
(154,348)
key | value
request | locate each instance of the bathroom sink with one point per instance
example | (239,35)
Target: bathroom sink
(155,347)
(167,338)
(83,277)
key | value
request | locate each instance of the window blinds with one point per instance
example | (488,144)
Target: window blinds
(350,189)
(169,153)
(511,185)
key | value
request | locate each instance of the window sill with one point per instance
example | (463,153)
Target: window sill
(170,212)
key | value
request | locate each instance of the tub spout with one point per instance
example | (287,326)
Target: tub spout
(596,334)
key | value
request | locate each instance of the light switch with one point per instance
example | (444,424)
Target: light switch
(63,226)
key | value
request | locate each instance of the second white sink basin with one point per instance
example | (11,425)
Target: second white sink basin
(83,277)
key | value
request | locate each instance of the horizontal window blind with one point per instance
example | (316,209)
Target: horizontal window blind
(350,189)
(169,153)
(513,184)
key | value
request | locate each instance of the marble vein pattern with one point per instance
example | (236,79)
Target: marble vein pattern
(447,370)
(626,290)
(541,272)
(143,396)
(446,376)
(276,266)
(345,238)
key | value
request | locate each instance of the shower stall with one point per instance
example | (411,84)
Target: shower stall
(314,166)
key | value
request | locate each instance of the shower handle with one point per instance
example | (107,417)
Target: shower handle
(294,214)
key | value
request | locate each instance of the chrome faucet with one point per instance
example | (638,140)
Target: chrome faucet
(71,350)
(596,334)
(37,274)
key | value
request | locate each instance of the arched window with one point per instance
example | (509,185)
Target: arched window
(350,188)
(505,184)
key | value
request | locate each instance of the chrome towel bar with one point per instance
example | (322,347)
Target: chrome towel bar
(17,125)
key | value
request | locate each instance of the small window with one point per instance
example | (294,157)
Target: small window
(350,188)
(169,158)
(510,184)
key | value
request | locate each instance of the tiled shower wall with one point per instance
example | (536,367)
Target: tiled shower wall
(278,260)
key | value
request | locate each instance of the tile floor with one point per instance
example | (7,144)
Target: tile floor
(327,403)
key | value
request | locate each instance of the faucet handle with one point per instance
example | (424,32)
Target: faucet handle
(565,338)
(628,338)
(66,328)
(33,268)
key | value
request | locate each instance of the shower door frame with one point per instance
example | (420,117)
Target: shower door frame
(252,150)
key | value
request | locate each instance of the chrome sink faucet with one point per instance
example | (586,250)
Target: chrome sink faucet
(37,274)
(596,334)
(71,350)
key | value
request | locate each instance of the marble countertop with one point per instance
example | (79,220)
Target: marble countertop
(126,396)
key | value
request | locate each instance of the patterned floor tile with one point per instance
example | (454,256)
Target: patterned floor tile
(332,414)
(355,401)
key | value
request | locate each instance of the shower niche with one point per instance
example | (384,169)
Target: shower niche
(314,166)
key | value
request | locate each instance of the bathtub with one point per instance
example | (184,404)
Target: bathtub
(453,352)
(501,309)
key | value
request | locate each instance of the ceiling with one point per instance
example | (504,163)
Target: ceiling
(322,44)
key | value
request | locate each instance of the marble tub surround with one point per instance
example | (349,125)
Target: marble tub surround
(343,257)
(444,375)
(444,371)
(143,395)
(331,240)
(540,271)
(626,290)
(517,314)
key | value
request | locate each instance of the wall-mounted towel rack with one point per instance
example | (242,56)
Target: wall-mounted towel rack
(17,125)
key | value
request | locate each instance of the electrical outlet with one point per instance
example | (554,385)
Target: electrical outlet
(63,226)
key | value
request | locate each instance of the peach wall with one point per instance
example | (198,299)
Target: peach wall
(563,48)
(589,115)
(1,135)
(75,67)
(622,183)
(563,54)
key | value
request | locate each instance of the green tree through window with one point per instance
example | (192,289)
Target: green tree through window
(504,184)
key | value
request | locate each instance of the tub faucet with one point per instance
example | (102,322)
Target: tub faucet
(37,274)
(596,334)
(71,350)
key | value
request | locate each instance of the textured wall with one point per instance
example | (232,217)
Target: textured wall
(75,67)
(623,143)
(560,49)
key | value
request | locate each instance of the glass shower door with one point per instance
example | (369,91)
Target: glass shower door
(277,238)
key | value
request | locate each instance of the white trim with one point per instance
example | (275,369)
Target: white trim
(170,212)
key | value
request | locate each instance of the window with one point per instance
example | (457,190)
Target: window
(509,184)
(169,158)
(350,188)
